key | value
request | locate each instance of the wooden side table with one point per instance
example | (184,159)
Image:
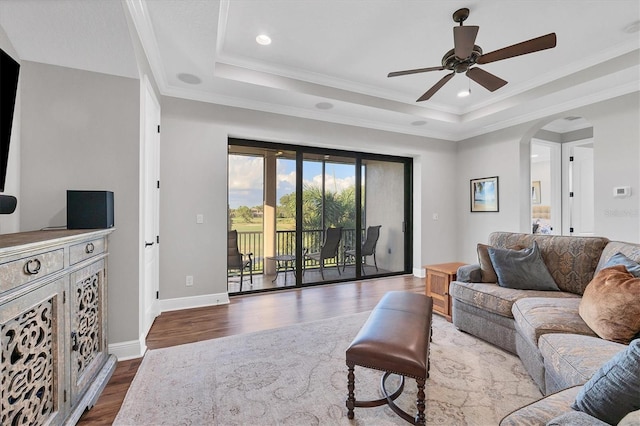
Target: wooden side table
(437,286)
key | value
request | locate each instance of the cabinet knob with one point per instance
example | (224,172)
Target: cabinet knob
(32,267)
(89,248)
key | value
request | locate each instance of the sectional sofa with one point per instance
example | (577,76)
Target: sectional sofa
(542,325)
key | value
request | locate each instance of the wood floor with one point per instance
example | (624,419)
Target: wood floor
(246,314)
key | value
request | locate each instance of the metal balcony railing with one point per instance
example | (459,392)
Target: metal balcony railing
(253,242)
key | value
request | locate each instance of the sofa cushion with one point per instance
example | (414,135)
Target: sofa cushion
(614,390)
(522,269)
(571,260)
(536,316)
(543,410)
(571,359)
(496,299)
(610,304)
(621,259)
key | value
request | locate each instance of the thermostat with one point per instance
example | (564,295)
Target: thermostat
(621,191)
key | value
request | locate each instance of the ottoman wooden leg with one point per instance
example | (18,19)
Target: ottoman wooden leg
(420,419)
(351,398)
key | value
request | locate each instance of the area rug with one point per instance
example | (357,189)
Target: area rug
(297,375)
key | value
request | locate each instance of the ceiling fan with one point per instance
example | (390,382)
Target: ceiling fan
(466,54)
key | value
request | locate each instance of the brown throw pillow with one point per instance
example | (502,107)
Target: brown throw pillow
(486,267)
(610,305)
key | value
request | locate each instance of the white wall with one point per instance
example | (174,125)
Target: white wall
(505,153)
(11,223)
(80,130)
(194,180)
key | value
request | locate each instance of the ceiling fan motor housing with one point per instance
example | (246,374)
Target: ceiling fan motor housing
(451,62)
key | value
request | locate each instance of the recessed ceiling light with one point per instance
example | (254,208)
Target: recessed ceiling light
(263,40)
(189,78)
(464,93)
(418,123)
(534,155)
(324,105)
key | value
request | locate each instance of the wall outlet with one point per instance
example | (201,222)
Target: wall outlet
(199,218)
(435,216)
(189,280)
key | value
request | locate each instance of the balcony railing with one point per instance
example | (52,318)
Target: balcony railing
(253,242)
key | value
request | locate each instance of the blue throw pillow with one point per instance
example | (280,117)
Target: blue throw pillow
(614,390)
(522,269)
(621,259)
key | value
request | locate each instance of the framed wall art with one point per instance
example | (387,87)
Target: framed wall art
(484,194)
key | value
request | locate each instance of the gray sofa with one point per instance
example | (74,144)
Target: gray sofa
(543,328)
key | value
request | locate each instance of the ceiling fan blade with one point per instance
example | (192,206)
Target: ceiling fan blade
(429,93)
(417,70)
(464,39)
(534,45)
(485,79)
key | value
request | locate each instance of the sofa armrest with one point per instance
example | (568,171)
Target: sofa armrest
(469,274)
(575,418)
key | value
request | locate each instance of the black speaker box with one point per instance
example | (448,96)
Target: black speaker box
(8,204)
(89,209)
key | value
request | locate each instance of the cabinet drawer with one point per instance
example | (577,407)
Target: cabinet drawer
(22,271)
(85,250)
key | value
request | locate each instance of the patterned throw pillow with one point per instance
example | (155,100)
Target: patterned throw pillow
(613,391)
(610,305)
(522,269)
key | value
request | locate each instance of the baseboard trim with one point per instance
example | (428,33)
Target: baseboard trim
(180,303)
(419,272)
(128,350)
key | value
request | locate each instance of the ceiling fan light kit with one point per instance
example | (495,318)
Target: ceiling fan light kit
(466,54)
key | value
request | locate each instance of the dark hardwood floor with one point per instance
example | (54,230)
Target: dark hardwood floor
(243,315)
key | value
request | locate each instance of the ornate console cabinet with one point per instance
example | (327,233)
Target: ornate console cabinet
(53,325)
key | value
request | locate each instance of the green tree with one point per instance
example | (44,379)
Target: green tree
(339,208)
(287,207)
(244,213)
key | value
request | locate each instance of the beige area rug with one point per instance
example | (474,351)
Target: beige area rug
(297,376)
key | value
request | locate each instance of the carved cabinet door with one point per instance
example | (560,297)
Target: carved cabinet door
(32,341)
(87,329)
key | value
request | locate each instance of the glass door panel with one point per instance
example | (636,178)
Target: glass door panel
(384,206)
(245,243)
(328,218)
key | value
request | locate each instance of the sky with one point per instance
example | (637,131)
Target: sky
(246,178)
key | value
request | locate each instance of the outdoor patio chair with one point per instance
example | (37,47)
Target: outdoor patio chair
(368,248)
(329,249)
(237,260)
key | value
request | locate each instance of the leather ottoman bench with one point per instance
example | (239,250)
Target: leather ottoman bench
(395,339)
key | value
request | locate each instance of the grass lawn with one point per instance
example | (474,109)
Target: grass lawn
(282,224)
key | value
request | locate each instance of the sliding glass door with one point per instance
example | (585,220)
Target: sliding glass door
(324,215)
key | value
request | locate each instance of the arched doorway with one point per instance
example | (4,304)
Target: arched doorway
(562,179)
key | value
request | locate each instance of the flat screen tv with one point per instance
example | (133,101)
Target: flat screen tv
(9,70)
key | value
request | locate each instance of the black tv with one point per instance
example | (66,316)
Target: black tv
(9,70)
